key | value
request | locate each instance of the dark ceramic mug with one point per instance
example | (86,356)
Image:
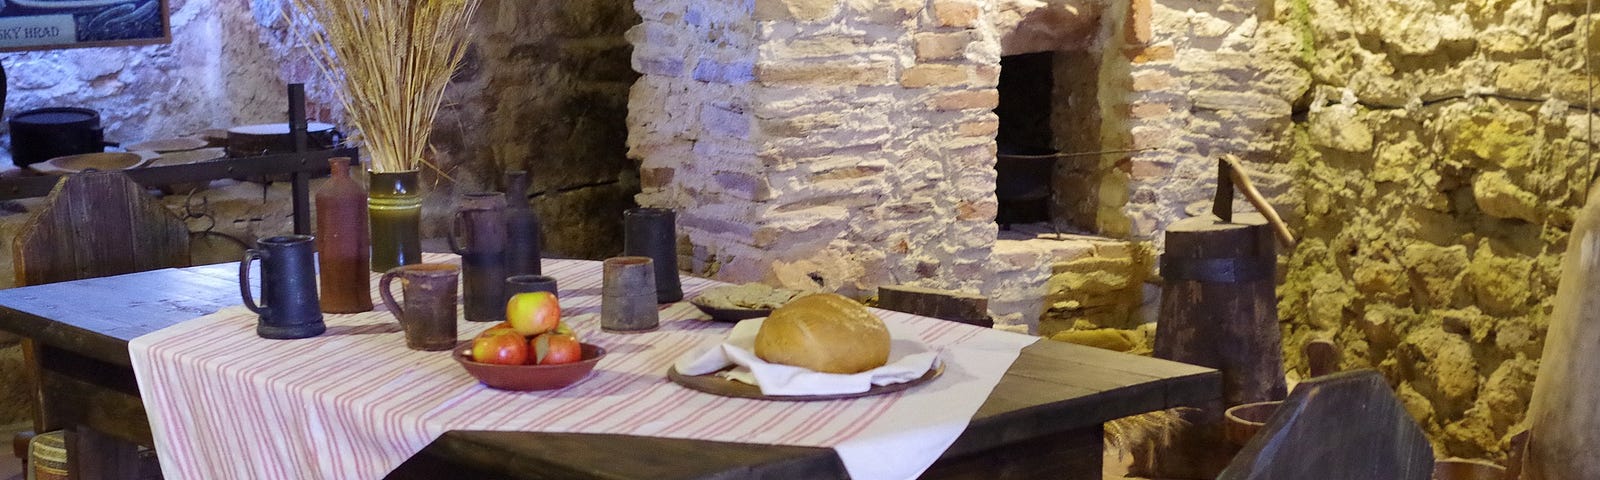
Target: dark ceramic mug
(290,306)
(653,232)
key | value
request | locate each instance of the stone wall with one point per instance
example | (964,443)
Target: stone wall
(1441,155)
(1202,81)
(828,143)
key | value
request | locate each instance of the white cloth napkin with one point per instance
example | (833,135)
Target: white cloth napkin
(908,360)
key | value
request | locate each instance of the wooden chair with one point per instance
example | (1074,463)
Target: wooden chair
(92,224)
(1342,426)
(98,224)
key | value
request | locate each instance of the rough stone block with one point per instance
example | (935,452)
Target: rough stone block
(730,73)
(792,10)
(978,129)
(726,119)
(1152,80)
(942,46)
(664,65)
(815,47)
(933,75)
(1138,22)
(986,99)
(1150,54)
(955,13)
(827,74)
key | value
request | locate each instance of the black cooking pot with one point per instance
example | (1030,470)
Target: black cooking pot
(1022,183)
(46,133)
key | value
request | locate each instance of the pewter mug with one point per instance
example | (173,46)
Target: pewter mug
(290,306)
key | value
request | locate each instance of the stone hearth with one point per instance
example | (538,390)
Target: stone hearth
(839,144)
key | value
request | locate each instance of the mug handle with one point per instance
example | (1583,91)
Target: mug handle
(244,281)
(455,232)
(384,284)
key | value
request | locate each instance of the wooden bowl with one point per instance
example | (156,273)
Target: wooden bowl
(1464,469)
(103,161)
(524,378)
(1243,421)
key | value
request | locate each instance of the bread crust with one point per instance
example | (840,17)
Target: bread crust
(824,332)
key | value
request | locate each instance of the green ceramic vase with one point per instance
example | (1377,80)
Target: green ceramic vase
(394,211)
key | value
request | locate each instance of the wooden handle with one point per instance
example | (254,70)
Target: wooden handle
(1236,172)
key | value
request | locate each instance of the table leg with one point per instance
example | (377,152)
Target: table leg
(1071,455)
(97,456)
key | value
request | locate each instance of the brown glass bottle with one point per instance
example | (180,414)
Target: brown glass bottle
(342,242)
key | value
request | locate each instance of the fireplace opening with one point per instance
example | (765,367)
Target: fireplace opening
(1049,119)
(1027,158)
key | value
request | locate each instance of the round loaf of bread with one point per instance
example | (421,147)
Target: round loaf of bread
(824,332)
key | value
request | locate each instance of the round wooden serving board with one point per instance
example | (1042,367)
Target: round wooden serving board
(715,385)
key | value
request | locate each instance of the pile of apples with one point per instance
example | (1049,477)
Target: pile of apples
(532,334)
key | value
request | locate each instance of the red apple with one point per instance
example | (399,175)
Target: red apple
(533,313)
(554,349)
(503,347)
(563,329)
(499,327)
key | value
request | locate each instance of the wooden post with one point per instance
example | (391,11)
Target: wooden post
(1564,414)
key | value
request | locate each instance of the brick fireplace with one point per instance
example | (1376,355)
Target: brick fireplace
(847,144)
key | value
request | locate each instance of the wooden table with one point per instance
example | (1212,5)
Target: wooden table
(1043,420)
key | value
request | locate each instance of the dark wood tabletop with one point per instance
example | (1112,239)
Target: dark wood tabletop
(1054,397)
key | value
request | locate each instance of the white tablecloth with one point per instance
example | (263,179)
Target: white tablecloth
(355,402)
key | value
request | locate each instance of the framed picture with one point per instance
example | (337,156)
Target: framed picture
(57,24)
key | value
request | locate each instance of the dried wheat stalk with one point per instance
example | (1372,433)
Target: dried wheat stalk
(391,60)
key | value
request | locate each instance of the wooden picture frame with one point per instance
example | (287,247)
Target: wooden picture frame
(60,24)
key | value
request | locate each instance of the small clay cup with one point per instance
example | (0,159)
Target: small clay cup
(628,295)
(428,314)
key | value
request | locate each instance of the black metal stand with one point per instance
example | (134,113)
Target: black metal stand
(299,180)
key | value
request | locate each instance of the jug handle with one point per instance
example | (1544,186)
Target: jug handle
(244,281)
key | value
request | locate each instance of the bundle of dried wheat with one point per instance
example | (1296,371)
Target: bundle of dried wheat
(391,60)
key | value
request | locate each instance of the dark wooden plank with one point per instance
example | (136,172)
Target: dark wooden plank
(96,456)
(1070,455)
(314,163)
(1344,426)
(97,317)
(505,455)
(70,401)
(941,304)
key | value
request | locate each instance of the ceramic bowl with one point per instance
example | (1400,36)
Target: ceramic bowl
(530,377)
(1243,421)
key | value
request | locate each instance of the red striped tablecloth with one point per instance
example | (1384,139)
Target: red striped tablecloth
(355,403)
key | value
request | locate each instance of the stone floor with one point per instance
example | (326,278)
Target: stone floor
(10,465)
